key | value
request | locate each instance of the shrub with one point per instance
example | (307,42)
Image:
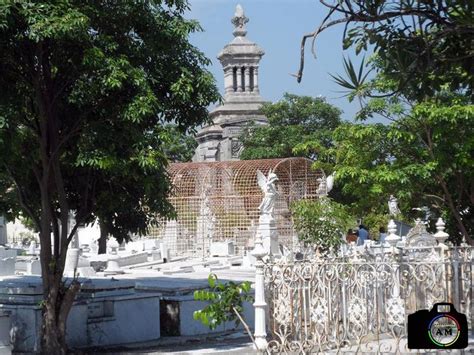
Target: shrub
(322,223)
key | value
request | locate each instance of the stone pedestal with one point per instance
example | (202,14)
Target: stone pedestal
(165,252)
(170,236)
(33,267)
(203,236)
(72,260)
(222,248)
(268,232)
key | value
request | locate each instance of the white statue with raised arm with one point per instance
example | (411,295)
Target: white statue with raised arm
(267,232)
(267,184)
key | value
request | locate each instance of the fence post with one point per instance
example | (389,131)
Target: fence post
(440,234)
(393,239)
(260,305)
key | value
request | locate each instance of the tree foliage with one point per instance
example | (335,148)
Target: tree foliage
(425,158)
(86,91)
(322,223)
(225,302)
(292,120)
(422,83)
(424,46)
(180,146)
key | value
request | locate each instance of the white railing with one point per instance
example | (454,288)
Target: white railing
(361,302)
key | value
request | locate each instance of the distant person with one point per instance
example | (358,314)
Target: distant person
(363,235)
(351,236)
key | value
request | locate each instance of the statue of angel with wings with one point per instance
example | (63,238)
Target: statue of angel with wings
(270,193)
(393,206)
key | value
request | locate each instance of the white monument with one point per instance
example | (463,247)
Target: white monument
(242,101)
(393,206)
(170,237)
(32,248)
(205,223)
(267,228)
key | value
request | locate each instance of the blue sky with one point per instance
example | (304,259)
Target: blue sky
(277,26)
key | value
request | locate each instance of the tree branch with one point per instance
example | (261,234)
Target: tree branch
(362,16)
(22,199)
(247,329)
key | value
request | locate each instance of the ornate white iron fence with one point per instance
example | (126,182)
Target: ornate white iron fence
(361,303)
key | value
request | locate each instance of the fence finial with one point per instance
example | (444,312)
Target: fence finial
(392,237)
(440,234)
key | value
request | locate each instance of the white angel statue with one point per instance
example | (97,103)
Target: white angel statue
(325,185)
(267,184)
(393,206)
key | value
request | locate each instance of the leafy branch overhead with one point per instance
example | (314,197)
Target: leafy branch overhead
(420,43)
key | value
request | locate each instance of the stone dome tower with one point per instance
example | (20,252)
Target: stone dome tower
(242,101)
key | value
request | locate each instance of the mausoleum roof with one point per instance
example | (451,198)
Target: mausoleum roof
(241,46)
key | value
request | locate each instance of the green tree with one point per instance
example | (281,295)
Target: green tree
(180,146)
(292,120)
(85,89)
(425,158)
(123,215)
(422,83)
(322,223)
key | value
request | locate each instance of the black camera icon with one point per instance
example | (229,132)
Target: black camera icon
(441,328)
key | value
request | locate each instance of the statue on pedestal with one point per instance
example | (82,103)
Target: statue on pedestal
(267,229)
(267,184)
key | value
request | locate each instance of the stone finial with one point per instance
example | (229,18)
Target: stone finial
(440,234)
(239,20)
(392,237)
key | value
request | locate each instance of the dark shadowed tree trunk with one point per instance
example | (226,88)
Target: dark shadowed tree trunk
(103,238)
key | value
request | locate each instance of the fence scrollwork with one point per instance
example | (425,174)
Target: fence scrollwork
(360,304)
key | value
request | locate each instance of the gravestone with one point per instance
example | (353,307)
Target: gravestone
(7,266)
(86,271)
(72,260)
(170,236)
(225,248)
(32,248)
(7,253)
(33,267)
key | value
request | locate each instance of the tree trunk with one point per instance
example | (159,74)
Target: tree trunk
(103,238)
(53,335)
(57,304)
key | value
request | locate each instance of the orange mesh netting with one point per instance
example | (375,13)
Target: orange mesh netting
(218,201)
